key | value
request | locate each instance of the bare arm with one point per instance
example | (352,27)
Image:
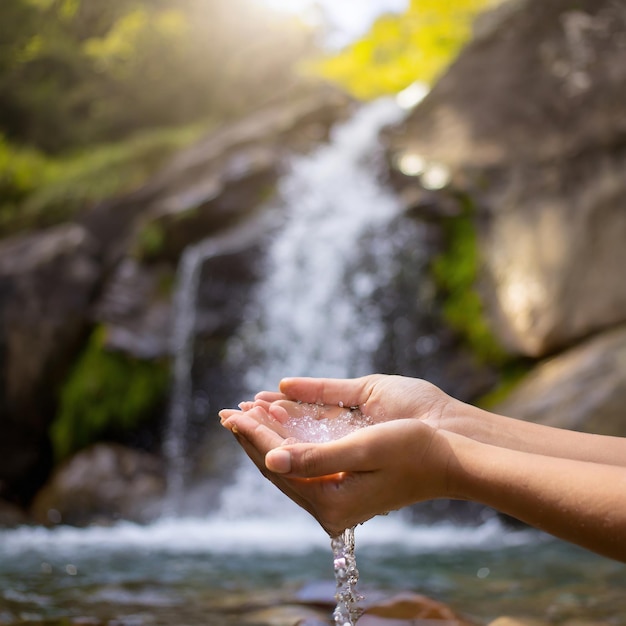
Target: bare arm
(579,501)
(400,462)
(515,434)
(394,397)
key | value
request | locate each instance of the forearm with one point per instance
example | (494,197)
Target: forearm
(515,434)
(579,501)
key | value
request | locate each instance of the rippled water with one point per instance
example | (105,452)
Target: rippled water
(204,571)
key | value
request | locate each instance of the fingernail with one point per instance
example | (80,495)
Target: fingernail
(278,460)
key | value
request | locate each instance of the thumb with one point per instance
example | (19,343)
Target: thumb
(308,460)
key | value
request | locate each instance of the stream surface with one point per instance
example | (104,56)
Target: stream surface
(208,571)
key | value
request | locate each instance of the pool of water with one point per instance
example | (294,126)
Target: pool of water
(198,571)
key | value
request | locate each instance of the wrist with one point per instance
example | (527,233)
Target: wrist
(462,457)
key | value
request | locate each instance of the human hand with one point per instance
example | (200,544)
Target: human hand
(379,397)
(349,480)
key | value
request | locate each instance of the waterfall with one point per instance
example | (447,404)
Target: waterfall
(183,334)
(313,313)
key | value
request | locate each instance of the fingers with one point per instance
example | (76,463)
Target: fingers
(317,460)
(257,427)
(349,392)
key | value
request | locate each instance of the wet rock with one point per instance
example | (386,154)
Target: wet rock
(403,609)
(101,484)
(285,616)
(46,283)
(136,310)
(514,621)
(583,388)
(410,609)
(11,515)
(529,123)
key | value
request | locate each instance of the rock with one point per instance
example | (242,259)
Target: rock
(402,609)
(46,283)
(530,123)
(583,388)
(410,608)
(514,621)
(219,180)
(101,484)
(284,616)
(136,311)
(11,515)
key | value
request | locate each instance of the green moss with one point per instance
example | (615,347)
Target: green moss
(456,272)
(107,393)
(37,190)
(150,241)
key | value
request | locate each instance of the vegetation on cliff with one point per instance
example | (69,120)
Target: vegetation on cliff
(95,95)
(401,49)
(107,394)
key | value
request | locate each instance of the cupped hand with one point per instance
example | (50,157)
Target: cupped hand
(379,397)
(345,482)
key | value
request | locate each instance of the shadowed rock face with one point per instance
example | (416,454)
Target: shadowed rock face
(46,283)
(531,123)
(583,388)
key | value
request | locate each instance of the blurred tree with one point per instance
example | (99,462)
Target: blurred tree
(402,49)
(74,72)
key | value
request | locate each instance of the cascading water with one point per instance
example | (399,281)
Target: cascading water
(310,317)
(311,314)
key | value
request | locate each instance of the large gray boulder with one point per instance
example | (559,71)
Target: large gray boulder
(583,388)
(101,484)
(47,280)
(530,122)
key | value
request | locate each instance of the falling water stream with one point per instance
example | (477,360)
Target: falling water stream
(310,315)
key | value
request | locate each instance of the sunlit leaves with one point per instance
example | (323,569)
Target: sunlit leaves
(402,49)
(133,34)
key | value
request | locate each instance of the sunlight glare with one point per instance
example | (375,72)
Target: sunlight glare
(288,6)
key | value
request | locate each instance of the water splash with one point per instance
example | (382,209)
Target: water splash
(309,424)
(347,611)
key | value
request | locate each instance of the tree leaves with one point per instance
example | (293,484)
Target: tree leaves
(400,50)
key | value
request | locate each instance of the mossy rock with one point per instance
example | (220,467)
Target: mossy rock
(108,394)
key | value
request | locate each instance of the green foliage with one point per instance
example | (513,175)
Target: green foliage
(75,72)
(107,394)
(37,190)
(456,271)
(150,241)
(400,50)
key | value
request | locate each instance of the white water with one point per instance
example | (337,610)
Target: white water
(310,317)
(297,534)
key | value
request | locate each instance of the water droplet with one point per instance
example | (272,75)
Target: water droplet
(71,569)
